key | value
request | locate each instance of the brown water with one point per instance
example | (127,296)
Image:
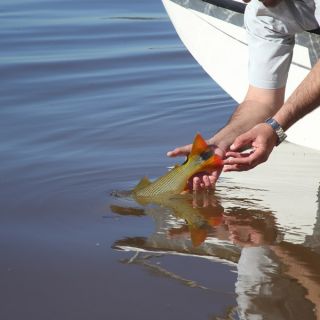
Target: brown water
(93,94)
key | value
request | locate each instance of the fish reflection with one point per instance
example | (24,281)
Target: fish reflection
(276,279)
(183,217)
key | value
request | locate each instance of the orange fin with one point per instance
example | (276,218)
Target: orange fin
(144,182)
(199,145)
(198,236)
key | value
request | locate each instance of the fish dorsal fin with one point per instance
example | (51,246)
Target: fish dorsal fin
(199,145)
(144,182)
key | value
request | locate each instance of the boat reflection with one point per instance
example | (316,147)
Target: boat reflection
(276,279)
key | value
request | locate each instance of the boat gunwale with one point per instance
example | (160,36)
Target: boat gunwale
(240,8)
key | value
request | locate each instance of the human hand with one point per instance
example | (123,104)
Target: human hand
(261,139)
(202,180)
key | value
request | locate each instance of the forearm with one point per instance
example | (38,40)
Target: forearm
(303,100)
(259,104)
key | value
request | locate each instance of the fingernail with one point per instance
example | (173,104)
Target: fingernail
(232,147)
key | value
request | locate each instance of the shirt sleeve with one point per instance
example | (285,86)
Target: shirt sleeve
(271,38)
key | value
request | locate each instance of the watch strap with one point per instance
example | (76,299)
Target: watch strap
(277,129)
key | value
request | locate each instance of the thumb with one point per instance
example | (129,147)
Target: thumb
(241,141)
(180,151)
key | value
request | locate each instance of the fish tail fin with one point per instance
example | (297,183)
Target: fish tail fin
(199,145)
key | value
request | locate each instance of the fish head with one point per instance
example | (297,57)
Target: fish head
(204,155)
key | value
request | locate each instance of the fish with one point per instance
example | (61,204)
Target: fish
(200,159)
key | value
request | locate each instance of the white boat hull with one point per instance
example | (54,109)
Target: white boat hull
(221,49)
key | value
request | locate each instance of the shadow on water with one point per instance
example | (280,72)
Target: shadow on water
(268,267)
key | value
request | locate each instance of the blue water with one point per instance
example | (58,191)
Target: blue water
(93,94)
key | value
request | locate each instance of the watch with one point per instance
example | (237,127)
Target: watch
(277,129)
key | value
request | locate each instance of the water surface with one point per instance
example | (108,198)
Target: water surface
(93,94)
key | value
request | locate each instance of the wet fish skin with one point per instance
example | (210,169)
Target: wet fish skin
(200,159)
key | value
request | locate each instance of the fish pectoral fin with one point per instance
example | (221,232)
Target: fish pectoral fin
(199,145)
(144,182)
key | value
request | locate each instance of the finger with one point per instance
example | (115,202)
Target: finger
(245,164)
(213,179)
(241,141)
(196,184)
(242,160)
(248,159)
(236,167)
(180,151)
(207,182)
(215,176)
(233,159)
(233,154)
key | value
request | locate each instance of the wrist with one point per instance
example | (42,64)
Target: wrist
(277,129)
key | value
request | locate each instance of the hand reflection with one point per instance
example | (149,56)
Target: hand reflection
(266,266)
(249,228)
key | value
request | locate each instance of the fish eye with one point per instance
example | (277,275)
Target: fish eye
(206,154)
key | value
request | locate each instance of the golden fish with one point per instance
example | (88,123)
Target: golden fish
(175,181)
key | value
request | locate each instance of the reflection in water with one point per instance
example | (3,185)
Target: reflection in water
(269,268)
(313,241)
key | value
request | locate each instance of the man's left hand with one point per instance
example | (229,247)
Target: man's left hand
(261,140)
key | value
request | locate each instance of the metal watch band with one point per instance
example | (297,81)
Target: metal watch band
(277,129)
